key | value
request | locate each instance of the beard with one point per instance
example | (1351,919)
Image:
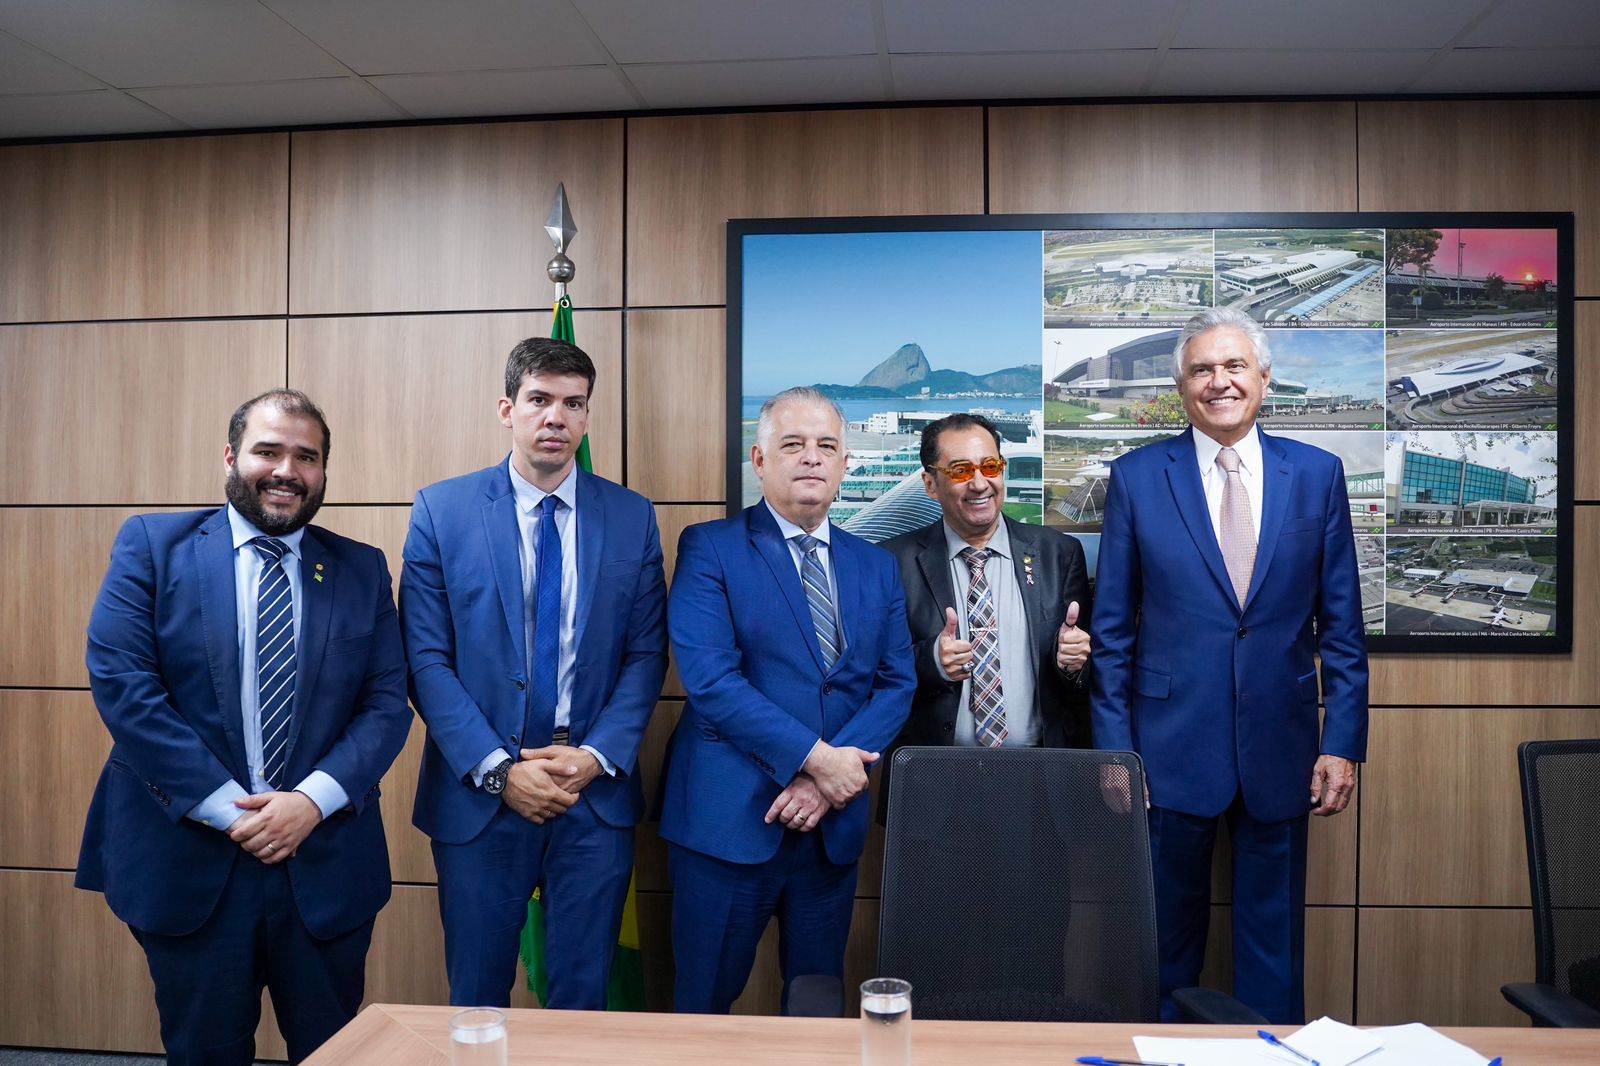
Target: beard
(246,499)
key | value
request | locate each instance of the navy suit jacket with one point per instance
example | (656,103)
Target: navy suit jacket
(759,697)
(164,669)
(1214,695)
(461,609)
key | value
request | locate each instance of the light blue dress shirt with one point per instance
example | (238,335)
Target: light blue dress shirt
(217,810)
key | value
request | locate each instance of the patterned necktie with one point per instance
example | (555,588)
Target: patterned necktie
(547,615)
(274,657)
(815,579)
(1237,537)
(987,702)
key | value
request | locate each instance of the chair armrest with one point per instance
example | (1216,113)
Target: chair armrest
(1549,1007)
(1210,1007)
(815,995)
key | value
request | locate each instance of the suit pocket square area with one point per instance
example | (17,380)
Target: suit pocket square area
(1313,524)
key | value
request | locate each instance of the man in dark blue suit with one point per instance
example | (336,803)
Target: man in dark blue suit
(249,668)
(791,639)
(533,604)
(1227,566)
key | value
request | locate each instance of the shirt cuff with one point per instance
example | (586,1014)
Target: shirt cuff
(605,764)
(493,759)
(320,787)
(217,810)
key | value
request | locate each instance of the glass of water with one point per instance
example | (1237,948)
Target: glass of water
(886,1022)
(478,1037)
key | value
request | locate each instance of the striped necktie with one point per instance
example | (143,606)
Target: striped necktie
(274,657)
(815,579)
(986,700)
(1237,533)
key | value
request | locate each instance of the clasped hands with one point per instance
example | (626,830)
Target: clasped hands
(830,778)
(546,782)
(274,824)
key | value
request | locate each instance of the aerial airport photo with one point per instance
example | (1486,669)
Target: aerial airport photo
(1471,378)
(1479,585)
(1125,277)
(1292,277)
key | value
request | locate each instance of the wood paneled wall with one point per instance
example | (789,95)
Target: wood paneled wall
(388,271)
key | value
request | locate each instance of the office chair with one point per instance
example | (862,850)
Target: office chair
(1560,779)
(1017,887)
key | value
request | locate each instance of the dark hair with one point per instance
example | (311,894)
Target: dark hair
(289,401)
(930,435)
(546,355)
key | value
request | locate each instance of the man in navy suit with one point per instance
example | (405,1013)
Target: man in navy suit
(249,668)
(791,639)
(533,604)
(1227,566)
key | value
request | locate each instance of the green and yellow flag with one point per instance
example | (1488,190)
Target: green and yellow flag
(626,988)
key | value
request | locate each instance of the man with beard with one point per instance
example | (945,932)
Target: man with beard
(533,604)
(249,668)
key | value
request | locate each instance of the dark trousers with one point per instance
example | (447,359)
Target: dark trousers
(1269,912)
(721,909)
(581,866)
(209,982)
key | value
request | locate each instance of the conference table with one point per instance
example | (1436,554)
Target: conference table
(398,1035)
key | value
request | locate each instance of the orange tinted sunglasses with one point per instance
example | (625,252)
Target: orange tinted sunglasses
(962,470)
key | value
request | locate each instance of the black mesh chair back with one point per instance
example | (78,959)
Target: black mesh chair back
(1017,886)
(1560,779)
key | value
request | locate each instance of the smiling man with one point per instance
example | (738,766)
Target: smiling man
(790,635)
(1227,567)
(248,666)
(533,604)
(998,610)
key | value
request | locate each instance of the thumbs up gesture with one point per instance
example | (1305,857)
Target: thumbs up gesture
(1072,643)
(955,654)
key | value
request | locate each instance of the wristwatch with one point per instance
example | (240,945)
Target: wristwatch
(494,781)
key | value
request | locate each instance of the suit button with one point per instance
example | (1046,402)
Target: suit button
(514,739)
(827,690)
(1242,632)
(521,685)
(949,727)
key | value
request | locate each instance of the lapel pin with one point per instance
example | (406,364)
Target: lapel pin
(318,575)
(1027,568)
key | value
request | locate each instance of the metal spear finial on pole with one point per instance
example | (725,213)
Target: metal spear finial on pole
(562,230)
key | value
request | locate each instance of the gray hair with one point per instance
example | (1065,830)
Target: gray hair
(798,394)
(1216,318)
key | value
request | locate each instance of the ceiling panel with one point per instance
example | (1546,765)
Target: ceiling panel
(417,36)
(1222,72)
(1531,23)
(74,114)
(1489,70)
(780,81)
(954,77)
(25,69)
(1023,25)
(1364,24)
(706,30)
(274,103)
(513,92)
(168,42)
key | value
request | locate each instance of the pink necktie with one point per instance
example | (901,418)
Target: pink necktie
(1237,537)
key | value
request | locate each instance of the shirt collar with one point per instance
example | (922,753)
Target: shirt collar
(791,531)
(1000,543)
(1206,451)
(530,496)
(244,531)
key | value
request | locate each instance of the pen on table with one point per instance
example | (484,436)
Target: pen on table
(1495,1061)
(1275,1042)
(1096,1060)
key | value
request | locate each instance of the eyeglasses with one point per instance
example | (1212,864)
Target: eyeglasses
(961,470)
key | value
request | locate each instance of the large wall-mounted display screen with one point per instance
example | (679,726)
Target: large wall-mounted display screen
(1431,353)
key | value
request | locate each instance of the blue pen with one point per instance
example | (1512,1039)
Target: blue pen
(1495,1061)
(1275,1042)
(1096,1060)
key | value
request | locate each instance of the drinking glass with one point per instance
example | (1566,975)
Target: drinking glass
(886,1022)
(478,1037)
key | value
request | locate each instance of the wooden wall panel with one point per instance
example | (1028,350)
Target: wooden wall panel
(1509,680)
(677,369)
(688,175)
(382,527)
(144,228)
(1443,967)
(81,400)
(1586,434)
(431,218)
(1330,959)
(411,398)
(1488,155)
(1442,825)
(1173,157)
(650,851)
(54,744)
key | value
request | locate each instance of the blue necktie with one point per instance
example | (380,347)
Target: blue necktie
(815,579)
(547,616)
(274,657)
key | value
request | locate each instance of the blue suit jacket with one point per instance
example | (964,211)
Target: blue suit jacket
(164,668)
(1213,695)
(758,695)
(461,609)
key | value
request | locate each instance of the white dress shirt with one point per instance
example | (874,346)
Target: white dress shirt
(1213,478)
